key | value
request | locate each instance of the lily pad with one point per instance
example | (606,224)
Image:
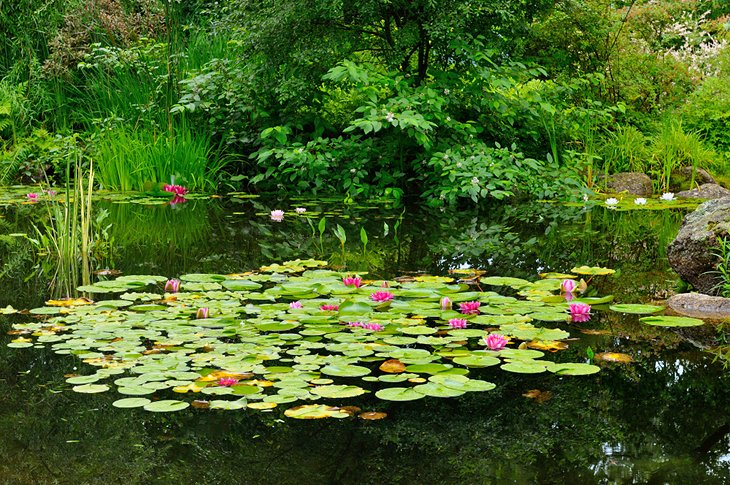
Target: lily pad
(315,411)
(671,321)
(335,391)
(573,369)
(636,308)
(399,394)
(592,270)
(345,370)
(131,402)
(166,406)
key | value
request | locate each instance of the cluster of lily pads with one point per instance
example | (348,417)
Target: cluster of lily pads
(297,332)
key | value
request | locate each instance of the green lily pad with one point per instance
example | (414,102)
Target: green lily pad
(241,285)
(82,379)
(227,405)
(434,389)
(345,370)
(477,360)
(592,270)
(91,388)
(636,308)
(524,367)
(504,281)
(166,406)
(277,326)
(573,369)
(131,402)
(670,321)
(427,368)
(399,394)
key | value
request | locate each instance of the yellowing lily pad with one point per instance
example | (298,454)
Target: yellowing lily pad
(314,411)
(614,357)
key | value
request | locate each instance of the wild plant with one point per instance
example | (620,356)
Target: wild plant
(722,269)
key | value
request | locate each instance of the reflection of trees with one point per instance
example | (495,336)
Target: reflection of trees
(653,422)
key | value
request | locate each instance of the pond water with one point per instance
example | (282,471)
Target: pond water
(662,418)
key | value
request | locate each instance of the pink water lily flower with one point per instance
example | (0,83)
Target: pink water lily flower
(295,305)
(277,215)
(373,326)
(203,312)
(457,323)
(567,286)
(381,296)
(355,281)
(330,308)
(175,189)
(469,307)
(385,284)
(495,341)
(580,312)
(355,324)
(32,196)
(227,381)
(300,210)
(50,192)
(172,286)
(446,303)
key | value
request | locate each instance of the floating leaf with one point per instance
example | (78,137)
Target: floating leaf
(670,321)
(166,406)
(393,366)
(636,308)
(614,357)
(398,394)
(91,388)
(573,369)
(131,402)
(477,360)
(345,370)
(314,411)
(592,270)
(372,415)
(338,391)
(524,367)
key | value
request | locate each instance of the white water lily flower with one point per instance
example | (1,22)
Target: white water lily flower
(667,196)
(612,201)
(640,201)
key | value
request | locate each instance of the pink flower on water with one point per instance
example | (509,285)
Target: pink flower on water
(381,296)
(295,305)
(50,192)
(32,196)
(495,341)
(203,312)
(445,303)
(355,281)
(579,312)
(175,189)
(385,284)
(356,324)
(172,286)
(227,381)
(330,308)
(568,296)
(457,323)
(277,215)
(300,210)
(567,286)
(469,307)
(373,326)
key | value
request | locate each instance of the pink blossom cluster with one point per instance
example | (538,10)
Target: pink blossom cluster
(175,189)
(381,296)
(469,307)
(457,323)
(355,281)
(367,326)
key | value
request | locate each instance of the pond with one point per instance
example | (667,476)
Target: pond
(660,418)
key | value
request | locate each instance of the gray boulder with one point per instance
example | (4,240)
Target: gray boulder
(698,305)
(632,182)
(701,177)
(705,191)
(690,254)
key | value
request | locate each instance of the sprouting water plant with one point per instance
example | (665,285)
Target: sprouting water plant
(722,252)
(342,236)
(364,240)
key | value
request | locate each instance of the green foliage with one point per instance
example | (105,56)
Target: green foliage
(139,160)
(722,252)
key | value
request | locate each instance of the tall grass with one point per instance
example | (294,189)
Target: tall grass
(625,150)
(673,148)
(138,159)
(67,235)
